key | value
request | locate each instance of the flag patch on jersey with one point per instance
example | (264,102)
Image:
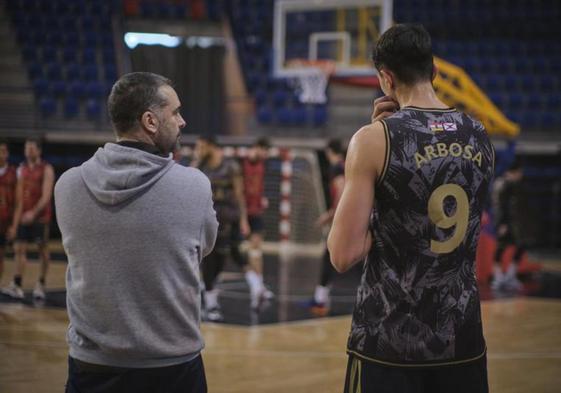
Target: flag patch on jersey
(438,126)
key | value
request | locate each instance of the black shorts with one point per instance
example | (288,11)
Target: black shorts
(33,233)
(3,240)
(371,377)
(256,223)
(182,378)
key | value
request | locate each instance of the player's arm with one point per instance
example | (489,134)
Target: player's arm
(350,238)
(18,207)
(240,198)
(46,194)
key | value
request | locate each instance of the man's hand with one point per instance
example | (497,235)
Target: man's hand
(501,231)
(27,217)
(383,107)
(264,203)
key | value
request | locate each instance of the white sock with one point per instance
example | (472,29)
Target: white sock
(498,272)
(254,280)
(321,294)
(211,299)
(512,268)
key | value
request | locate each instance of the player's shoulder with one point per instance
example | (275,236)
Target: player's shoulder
(68,178)
(369,136)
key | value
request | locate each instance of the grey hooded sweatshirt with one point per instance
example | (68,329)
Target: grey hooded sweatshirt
(135,227)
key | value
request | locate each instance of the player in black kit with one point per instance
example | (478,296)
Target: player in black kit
(416,183)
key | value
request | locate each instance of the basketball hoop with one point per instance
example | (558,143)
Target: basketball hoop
(311,83)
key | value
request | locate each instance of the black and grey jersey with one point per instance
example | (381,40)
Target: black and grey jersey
(418,302)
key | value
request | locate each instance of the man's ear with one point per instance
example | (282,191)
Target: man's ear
(389,78)
(149,122)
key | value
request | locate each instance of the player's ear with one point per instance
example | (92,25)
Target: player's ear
(149,122)
(388,78)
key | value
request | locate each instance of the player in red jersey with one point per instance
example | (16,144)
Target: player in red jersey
(7,197)
(254,187)
(32,215)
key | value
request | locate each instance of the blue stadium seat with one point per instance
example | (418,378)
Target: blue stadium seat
(73,72)
(319,117)
(47,106)
(110,72)
(284,116)
(69,54)
(77,89)
(71,107)
(53,71)
(40,87)
(35,70)
(280,97)
(49,54)
(88,56)
(260,97)
(90,72)
(29,52)
(93,109)
(299,116)
(58,88)
(264,115)
(90,38)
(94,89)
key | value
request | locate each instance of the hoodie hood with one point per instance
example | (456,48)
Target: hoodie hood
(117,173)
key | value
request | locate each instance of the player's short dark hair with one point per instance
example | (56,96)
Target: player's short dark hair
(4,142)
(406,50)
(336,146)
(262,142)
(210,139)
(35,139)
(132,95)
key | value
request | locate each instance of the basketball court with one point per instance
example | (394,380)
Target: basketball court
(320,50)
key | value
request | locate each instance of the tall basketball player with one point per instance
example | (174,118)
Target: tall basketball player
(415,187)
(7,196)
(32,216)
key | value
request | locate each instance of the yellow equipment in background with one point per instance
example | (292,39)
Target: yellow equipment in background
(454,86)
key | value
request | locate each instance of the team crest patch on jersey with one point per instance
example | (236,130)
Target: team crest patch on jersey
(439,126)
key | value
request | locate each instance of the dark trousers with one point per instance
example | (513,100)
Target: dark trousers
(365,376)
(182,378)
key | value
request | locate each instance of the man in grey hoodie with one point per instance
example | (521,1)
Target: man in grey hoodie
(135,227)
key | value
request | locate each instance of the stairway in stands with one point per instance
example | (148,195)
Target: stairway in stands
(17,108)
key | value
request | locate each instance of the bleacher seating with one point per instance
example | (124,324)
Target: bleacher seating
(69,53)
(507,47)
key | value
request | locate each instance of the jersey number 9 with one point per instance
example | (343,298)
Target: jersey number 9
(439,218)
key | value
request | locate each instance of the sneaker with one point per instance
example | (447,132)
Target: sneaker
(513,283)
(13,291)
(214,315)
(259,298)
(498,282)
(39,292)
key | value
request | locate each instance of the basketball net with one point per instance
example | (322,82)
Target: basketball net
(311,84)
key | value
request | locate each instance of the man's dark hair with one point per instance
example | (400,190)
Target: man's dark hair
(4,142)
(37,140)
(210,139)
(336,146)
(263,143)
(132,95)
(406,50)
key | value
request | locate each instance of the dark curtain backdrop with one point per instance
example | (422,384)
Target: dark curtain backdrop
(198,77)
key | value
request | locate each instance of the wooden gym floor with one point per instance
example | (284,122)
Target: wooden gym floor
(523,337)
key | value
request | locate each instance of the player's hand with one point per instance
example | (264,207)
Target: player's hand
(264,203)
(244,227)
(383,107)
(322,220)
(27,217)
